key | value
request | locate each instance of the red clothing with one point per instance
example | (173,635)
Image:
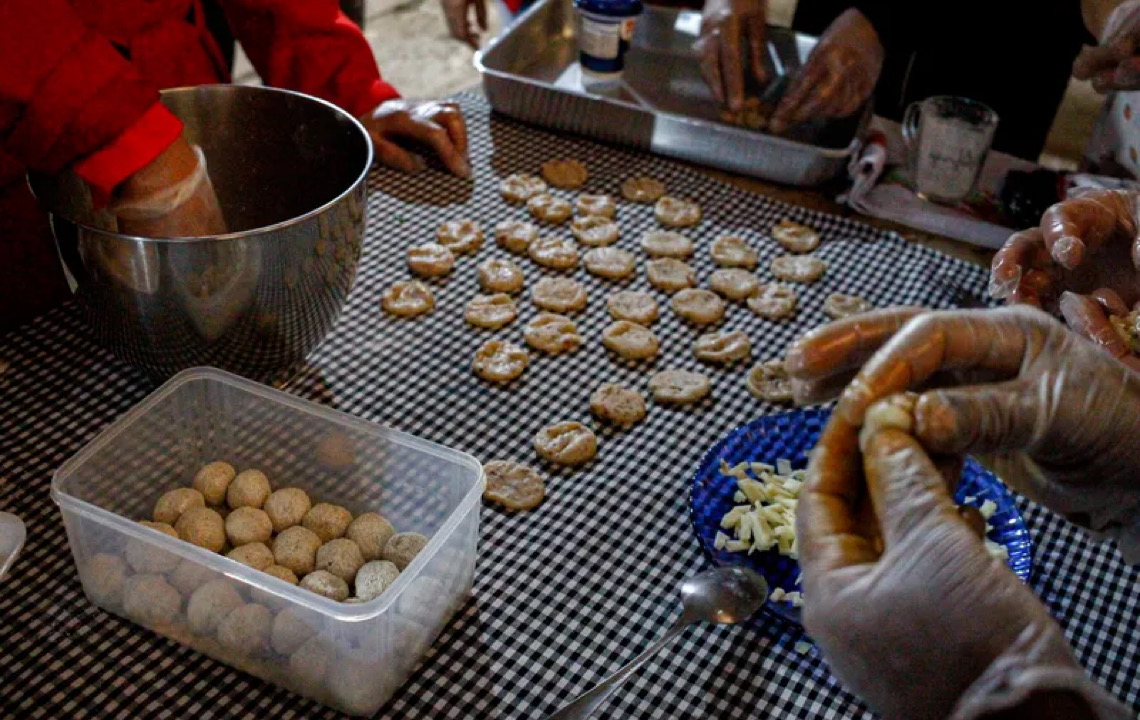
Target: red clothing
(79,82)
(69,96)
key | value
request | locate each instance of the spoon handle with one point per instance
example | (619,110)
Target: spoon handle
(585,704)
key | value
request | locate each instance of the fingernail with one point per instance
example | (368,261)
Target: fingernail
(464,168)
(1001,288)
(1069,251)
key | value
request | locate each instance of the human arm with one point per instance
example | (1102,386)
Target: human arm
(909,609)
(312,47)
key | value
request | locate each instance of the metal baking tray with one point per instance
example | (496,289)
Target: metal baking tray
(660,104)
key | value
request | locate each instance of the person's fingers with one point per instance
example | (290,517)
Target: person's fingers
(1093,60)
(392,155)
(757,29)
(815,392)
(990,418)
(1126,75)
(434,136)
(992,341)
(730,64)
(843,346)
(831,526)
(906,488)
(950,468)
(797,95)
(1023,251)
(1086,317)
(708,51)
(822,101)
(1073,227)
(481,13)
(450,117)
(1111,301)
(1035,286)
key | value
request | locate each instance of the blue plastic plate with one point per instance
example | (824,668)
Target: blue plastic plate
(790,436)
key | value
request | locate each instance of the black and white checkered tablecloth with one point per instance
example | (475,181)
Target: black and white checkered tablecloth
(563,594)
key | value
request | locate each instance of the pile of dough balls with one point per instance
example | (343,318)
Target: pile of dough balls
(320,547)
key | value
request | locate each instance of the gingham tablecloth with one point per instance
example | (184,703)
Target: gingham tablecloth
(562,595)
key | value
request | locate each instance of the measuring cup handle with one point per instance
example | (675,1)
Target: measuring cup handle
(910,123)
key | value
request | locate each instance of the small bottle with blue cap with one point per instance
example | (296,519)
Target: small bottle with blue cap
(605,29)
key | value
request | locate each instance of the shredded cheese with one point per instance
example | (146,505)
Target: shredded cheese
(765,516)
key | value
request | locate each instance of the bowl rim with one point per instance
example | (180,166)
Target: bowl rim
(242,234)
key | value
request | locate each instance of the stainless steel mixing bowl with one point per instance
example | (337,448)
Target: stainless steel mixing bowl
(290,173)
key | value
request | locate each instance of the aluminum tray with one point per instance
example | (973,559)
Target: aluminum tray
(661,104)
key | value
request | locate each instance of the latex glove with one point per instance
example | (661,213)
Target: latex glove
(932,626)
(458,15)
(170,197)
(727,26)
(839,75)
(438,126)
(1114,63)
(1050,414)
(1082,261)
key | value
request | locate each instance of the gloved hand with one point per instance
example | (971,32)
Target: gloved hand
(839,75)
(170,197)
(1083,260)
(1114,63)
(458,15)
(1050,414)
(726,26)
(931,626)
(438,126)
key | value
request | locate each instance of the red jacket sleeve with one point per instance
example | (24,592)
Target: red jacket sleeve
(67,98)
(312,47)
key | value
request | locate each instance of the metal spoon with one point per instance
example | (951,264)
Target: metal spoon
(724,596)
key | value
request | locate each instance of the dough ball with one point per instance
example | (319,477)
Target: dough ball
(150,600)
(213,480)
(146,558)
(374,578)
(402,548)
(309,664)
(105,577)
(189,576)
(328,521)
(172,504)
(287,507)
(247,525)
(210,604)
(325,583)
(203,527)
(341,557)
(246,629)
(290,632)
(296,549)
(249,489)
(370,532)
(255,555)
(282,573)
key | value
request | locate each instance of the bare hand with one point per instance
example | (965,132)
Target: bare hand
(726,25)
(1114,64)
(839,76)
(436,125)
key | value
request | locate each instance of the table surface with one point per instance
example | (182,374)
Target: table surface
(562,594)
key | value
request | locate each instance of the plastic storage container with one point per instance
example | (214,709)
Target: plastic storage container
(349,656)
